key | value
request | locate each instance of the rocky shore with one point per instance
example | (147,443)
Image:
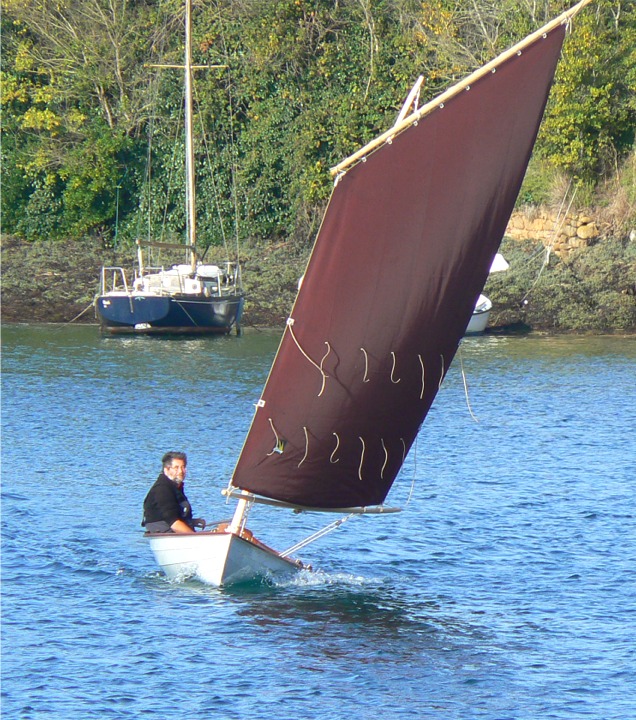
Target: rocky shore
(582,282)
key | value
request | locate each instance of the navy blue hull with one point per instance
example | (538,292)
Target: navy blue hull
(149,314)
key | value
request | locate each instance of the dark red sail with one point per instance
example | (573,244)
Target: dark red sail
(402,255)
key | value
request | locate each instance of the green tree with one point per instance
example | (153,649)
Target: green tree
(590,120)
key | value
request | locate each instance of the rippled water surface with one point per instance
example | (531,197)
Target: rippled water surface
(507,588)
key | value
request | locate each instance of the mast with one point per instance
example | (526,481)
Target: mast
(189,155)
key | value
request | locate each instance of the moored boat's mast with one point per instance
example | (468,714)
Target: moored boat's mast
(189,155)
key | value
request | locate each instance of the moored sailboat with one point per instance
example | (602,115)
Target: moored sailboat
(361,361)
(191,297)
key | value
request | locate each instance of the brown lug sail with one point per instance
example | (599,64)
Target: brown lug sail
(402,255)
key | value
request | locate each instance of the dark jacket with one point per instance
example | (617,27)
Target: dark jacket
(166,502)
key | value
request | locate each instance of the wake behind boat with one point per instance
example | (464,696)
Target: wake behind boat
(360,362)
(189,297)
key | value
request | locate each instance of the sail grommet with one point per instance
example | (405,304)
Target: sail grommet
(467,88)
(441,106)
(493,71)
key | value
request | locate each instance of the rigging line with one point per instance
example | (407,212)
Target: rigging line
(361,458)
(290,323)
(558,224)
(234,173)
(306,447)
(79,315)
(422,364)
(215,190)
(192,320)
(408,499)
(441,377)
(395,382)
(461,363)
(365,379)
(317,535)
(335,450)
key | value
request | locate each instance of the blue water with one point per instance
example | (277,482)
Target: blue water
(506,590)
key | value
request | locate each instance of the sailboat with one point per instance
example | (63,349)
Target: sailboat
(362,358)
(193,297)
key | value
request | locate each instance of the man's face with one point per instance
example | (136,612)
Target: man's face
(176,471)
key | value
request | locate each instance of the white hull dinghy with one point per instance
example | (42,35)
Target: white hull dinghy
(479,319)
(218,558)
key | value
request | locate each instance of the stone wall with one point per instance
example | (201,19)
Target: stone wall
(563,233)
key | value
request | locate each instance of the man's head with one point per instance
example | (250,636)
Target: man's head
(174,465)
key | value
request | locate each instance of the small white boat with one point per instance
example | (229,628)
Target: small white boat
(218,558)
(479,319)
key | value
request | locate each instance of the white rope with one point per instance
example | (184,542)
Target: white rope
(290,322)
(395,382)
(558,224)
(408,500)
(441,377)
(306,447)
(361,458)
(365,379)
(386,458)
(422,364)
(335,450)
(461,363)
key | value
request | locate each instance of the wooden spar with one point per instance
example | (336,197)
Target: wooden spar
(412,98)
(246,499)
(456,89)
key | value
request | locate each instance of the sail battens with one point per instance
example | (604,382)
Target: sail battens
(433,208)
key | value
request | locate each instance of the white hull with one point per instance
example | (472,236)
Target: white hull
(220,558)
(479,319)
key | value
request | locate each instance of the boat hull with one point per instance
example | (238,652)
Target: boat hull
(155,314)
(479,319)
(217,558)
